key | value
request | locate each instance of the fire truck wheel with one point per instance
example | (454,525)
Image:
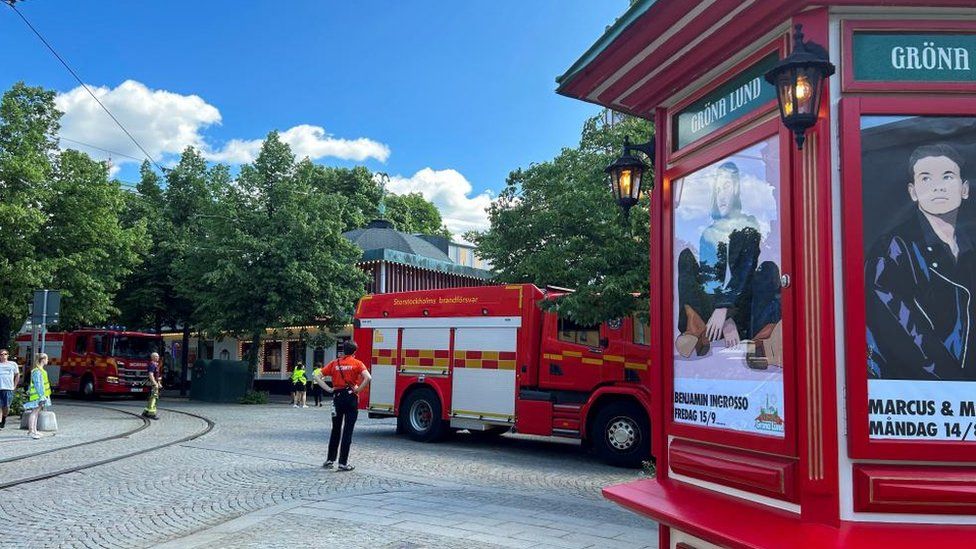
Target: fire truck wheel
(621,434)
(86,389)
(420,416)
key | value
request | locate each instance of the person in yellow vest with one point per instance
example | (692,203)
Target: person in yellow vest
(299,383)
(39,396)
(316,390)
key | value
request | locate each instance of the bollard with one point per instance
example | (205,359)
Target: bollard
(47,421)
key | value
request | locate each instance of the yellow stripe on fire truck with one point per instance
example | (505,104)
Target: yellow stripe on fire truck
(595,361)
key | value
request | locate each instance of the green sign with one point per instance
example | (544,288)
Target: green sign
(910,57)
(731,101)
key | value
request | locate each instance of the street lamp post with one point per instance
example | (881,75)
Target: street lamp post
(627,174)
(799,80)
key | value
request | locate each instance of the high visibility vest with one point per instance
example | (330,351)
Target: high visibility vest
(298,376)
(32,395)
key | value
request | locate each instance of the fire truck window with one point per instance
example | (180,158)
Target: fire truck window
(81,344)
(99,344)
(133,347)
(572,332)
(642,332)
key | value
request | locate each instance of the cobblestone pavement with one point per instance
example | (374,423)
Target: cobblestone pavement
(256,481)
(77,423)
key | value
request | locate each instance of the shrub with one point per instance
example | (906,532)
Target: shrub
(255,397)
(648,469)
(17,406)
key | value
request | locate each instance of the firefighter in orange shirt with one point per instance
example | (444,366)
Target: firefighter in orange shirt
(349,378)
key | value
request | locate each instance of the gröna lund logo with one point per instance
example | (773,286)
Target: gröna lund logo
(930,57)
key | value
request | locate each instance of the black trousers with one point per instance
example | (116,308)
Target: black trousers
(345,410)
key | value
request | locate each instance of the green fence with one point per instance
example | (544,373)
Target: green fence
(219,380)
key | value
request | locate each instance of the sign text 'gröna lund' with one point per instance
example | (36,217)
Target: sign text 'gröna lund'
(738,97)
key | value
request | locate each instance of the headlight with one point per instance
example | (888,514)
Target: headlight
(111,379)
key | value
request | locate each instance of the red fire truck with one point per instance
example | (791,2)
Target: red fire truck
(489,360)
(93,362)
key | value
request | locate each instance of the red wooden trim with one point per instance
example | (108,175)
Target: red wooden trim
(660,304)
(767,475)
(859,444)
(927,490)
(740,524)
(849,27)
(812,298)
(745,29)
(777,45)
(786,445)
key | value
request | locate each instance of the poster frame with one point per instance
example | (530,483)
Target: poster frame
(860,445)
(760,130)
(850,26)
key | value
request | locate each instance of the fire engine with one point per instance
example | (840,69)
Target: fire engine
(93,362)
(490,359)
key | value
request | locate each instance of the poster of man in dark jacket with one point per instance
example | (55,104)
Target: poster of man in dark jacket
(920,276)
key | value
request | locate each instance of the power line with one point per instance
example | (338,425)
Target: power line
(89,145)
(82,83)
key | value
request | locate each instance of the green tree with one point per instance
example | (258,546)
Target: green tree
(278,257)
(357,185)
(89,249)
(556,223)
(145,294)
(61,218)
(412,213)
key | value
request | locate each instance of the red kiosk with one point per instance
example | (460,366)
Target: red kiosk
(812,305)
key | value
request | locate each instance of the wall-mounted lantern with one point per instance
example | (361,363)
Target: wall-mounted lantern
(627,174)
(799,80)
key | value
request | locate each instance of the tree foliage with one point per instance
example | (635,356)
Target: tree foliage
(61,218)
(412,213)
(556,223)
(276,255)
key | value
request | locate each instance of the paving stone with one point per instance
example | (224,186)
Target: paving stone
(256,481)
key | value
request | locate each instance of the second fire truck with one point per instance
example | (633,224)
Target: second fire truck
(489,360)
(94,362)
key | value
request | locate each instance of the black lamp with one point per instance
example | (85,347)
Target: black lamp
(627,174)
(799,80)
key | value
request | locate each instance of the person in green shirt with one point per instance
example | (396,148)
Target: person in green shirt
(299,384)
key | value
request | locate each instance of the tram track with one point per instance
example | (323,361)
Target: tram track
(74,469)
(145,424)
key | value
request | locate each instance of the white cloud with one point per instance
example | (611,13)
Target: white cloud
(451,192)
(305,140)
(165,123)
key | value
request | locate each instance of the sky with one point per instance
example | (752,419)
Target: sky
(447,97)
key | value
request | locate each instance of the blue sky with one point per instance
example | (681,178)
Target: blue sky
(437,94)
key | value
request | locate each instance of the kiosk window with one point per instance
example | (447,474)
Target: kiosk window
(579,334)
(728,318)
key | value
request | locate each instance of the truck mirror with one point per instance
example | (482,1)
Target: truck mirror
(604,342)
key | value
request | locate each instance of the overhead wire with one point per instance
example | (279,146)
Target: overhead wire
(12,5)
(96,147)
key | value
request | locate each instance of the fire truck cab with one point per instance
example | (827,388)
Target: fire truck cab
(489,359)
(93,362)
